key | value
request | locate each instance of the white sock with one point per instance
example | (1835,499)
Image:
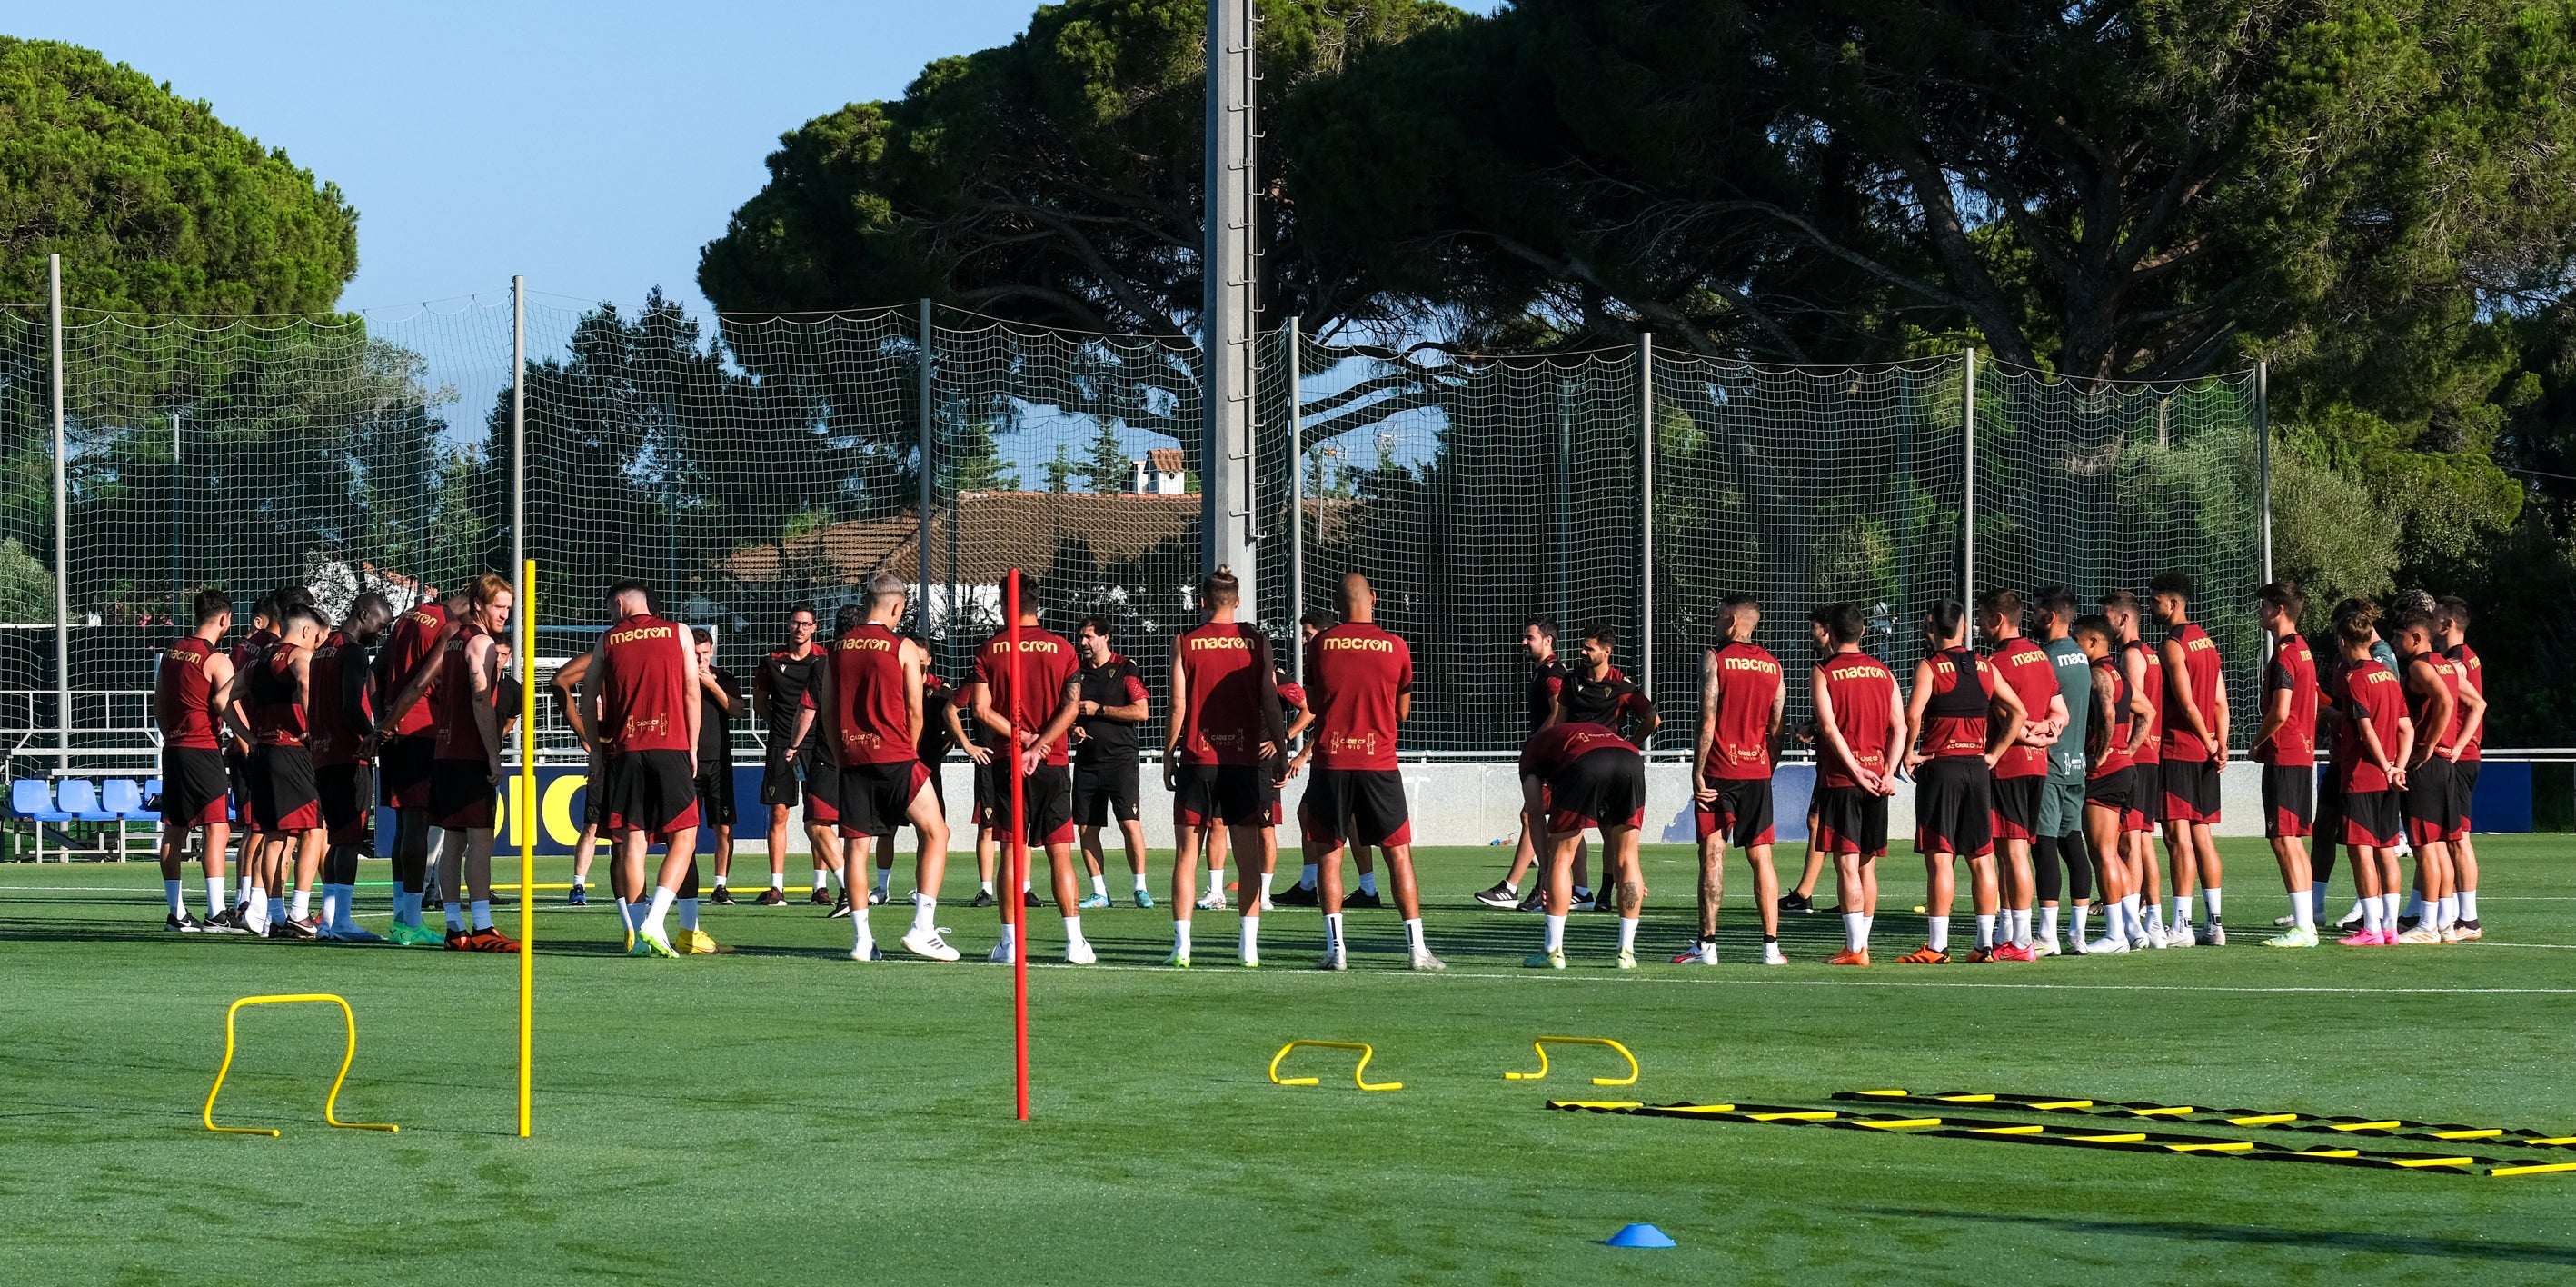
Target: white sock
(720,880)
(1100,885)
(835,874)
(2083,913)
(170,894)
(215,894)
(1265,887)
(1851,932)
(778,881)
(2303,914)
(2370,915)
(1009,941)
(2468,904)
(986,886)
(455,915)
(1140,882)
(1306,880)
(2182,910)
(2450,911)
(2209,899)
(482,909)
(302,904)
(1866,922)
(255,900)
(2047,923)
(1368,882)
(1073,930)
(861,934)
(1556,933)
(2388,912)
(1985,931)
(925,911)
(1413,935)
(1938,933)
(1627,933)
(334,911)
(688,912)
(626,914)
(2019,930)
(656,917)
(1333,932)
(2132,921)
(1181,938)
(2155,915)
(1251,945)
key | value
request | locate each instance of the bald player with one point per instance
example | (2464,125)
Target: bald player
(1360,679)
(1223,740)
(872,686)
(1742,696)
(643,679)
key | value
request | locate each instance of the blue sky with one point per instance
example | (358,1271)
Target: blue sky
(592,147)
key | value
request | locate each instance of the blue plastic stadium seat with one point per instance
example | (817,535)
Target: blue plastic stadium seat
(120,796)
(33,799)
(79,798)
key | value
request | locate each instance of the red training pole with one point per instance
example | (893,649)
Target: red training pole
(1019,858)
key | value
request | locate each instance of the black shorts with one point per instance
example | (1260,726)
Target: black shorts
(2328,827)
(1360,806)
(2016,806)
(782,782)
(461,797)
(2370,818)
(282,794)
(875,797)
(715,794)
(194,783)
(2289,800)
(2464,792)
(650,791)
(1046,801)
(1605,788)
(1954,809)
(2146,796)
(1850,820)
(1741,812)
(402,771)
(1106,791)
(594,795)
(2111,790)
(1214,795)
(2430,793)
(2190,791)
(348,802)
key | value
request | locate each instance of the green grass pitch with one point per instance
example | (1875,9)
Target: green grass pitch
(783,1115)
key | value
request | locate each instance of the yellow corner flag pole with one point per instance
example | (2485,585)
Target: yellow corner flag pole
(525,807)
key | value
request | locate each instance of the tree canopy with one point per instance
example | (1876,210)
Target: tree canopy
(153,203)
(1053,180)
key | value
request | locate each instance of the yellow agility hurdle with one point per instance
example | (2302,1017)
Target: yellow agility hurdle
(330,1103)
(1543,1043)
(1359,1074)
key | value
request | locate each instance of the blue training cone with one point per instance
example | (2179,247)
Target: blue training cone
(1639,1235)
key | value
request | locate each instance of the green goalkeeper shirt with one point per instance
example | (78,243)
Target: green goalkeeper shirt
(2075,682)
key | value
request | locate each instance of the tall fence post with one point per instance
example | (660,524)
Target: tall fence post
(1645,508)
(62,531)
(1968,501)
(519,464)
(1296,490)
(2263,454)
(921,508)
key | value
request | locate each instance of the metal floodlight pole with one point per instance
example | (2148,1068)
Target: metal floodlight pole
(519,466)
(1296,488)
(62,530)
(2263,454)
(1226,307)
(921,519)
(1968,502)
(1645,510)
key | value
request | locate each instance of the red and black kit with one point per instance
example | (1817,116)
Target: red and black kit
(2289,755)
(1594,777)
(282,792)
(1953,791)
(194,781)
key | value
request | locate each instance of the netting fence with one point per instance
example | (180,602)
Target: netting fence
(765,464)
